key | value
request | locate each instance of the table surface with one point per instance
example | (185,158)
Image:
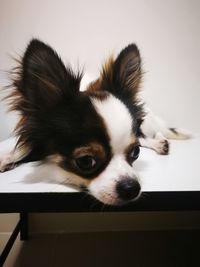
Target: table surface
(178,171)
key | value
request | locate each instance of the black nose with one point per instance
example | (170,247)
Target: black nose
(128,189)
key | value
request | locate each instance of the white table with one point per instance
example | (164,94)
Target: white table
(169,183)
(178,171)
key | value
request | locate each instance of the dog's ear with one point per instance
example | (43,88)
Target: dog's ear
(43,80)
(122,77)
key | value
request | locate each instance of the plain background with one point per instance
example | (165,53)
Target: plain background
(84,33)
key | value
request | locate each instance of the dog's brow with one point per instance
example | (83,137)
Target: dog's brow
(55,158)
(92,148)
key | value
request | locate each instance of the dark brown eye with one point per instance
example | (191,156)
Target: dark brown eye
(134,154)
(86,163)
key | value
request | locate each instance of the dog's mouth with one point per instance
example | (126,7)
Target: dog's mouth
(125,192)
(84,189)
(110,200)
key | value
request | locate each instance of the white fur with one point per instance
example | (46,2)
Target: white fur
(103,187)
(118,122)
(152,125)
(159,143)
(157,132)
(9,155)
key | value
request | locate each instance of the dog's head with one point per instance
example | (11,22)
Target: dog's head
(91,135)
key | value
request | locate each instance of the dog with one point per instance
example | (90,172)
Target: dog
(93,136)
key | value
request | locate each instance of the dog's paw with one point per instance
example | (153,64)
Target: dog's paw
(162,146)
(6,162)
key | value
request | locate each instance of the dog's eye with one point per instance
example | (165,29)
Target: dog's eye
(134,154)
(86,163)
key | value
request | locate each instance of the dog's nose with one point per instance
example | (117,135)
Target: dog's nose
(128,189)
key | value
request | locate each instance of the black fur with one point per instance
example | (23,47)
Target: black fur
(56,117)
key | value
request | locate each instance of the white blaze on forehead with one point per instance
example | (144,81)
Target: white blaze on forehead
(118,121)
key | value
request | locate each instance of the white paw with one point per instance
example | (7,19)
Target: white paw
(162,146)
(6,162)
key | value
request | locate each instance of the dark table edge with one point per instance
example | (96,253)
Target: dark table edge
(25,203)
(81,202)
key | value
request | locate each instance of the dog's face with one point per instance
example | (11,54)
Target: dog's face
(91,135)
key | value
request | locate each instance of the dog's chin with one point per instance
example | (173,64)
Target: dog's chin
(113,200)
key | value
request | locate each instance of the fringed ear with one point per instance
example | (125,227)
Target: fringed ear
(122,77)
(42,80)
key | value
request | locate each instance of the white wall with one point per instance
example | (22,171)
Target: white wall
(85,32)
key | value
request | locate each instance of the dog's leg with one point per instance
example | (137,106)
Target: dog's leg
(20,155)
(153,124)
(10,155)
(160,144)
(157,133)
(10,159)
(7,161)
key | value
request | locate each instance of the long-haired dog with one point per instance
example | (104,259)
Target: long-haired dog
(93,136)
